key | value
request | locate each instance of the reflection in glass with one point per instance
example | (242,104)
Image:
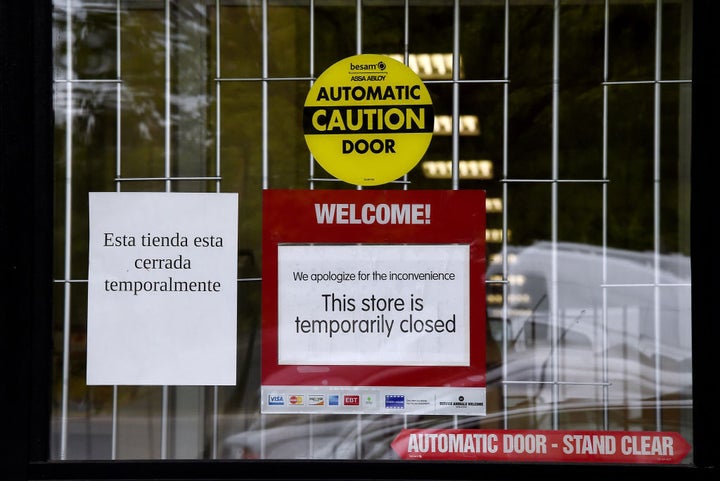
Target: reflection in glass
(588,291)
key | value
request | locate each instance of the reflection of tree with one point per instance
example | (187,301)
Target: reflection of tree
(630,142)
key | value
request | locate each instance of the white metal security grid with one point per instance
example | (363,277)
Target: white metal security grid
(66,83)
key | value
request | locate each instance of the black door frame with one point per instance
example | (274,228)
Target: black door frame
(26,211)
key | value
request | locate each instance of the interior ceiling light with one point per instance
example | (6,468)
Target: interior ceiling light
(469,125)
(493,205)
(430,66)
(468,169)
(495,236)
(498,257)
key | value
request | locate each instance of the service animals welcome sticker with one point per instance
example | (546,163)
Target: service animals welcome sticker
(368,119)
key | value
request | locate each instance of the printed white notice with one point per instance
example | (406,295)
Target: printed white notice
(162,288)
(399,305)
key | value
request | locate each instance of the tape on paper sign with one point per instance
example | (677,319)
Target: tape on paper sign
(368,119)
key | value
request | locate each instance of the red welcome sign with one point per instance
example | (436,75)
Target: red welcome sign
(376,294)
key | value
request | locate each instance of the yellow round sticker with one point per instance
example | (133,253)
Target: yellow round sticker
(368,119)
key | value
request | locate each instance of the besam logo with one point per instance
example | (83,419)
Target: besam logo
(368,66)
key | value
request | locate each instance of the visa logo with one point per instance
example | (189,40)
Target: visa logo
(276,400)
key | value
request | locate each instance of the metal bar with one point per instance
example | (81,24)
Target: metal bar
(656,212)
(218,170)
(428,82)
(358,26)
(554,181)
(358,40)
(406,57)
(605,360)
(168,99)
(166,178)
(88,81)
(456,97)
(218,75)
(466,81)
(260,79)
(168,185)
(118,173)
(506,75)
(264,168)
(242,279)
(647,82)
(311,162)
(648,284)
(68,231)
(264,95)
(327,179)
(456,110)
(553,298)
(559,383)
(118,95)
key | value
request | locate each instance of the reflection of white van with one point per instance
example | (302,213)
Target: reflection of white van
(590,342)
(586,327)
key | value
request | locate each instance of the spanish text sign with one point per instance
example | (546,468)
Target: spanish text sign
(373,301)
(162,289)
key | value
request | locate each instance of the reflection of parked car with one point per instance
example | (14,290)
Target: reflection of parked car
(611,328)
(315,436)
(578,338)
(292,437)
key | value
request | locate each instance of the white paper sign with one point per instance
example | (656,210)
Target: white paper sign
(398,305)
(162,289)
